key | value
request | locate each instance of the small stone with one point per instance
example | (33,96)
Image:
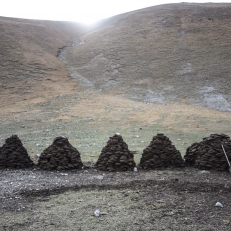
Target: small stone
(204,171)
(97,213)
(64,174)
(218,204)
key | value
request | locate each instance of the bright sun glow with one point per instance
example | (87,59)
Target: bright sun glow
(84,11)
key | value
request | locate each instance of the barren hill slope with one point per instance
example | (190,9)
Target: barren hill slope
(168,53)
(138,74)
(29,68)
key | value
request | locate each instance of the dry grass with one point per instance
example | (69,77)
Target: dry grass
(89,121)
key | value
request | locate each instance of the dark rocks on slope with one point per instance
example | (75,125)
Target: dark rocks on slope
(61,155)
(161,154)
(14,155)
(208,154)
(115,156)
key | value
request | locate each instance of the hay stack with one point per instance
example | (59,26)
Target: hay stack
(208,154)
(161,154)
(115,156)
(14,155)
(61,155)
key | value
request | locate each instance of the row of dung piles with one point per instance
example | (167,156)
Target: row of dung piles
(208,154)
(14,155)
(61,155)
(115,156)
(161,154)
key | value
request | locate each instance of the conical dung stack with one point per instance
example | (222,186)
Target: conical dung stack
(14,155)
(115,156)
(208,154)
(61,155)
(161,154)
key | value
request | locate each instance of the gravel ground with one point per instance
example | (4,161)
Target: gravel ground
(13,182)
(170,199)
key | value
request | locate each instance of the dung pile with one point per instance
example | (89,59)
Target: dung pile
(61,155)
(115,156)
(208,154)
(161,154)
(14,155)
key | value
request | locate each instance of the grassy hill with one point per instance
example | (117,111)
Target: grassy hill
(167,53)
(164,69)
(29,68)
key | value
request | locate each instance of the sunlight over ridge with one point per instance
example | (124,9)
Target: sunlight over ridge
(87,12)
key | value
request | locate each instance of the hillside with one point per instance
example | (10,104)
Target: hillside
(164,69)
(161,70)
(168,53)
(162,54)
(29,68)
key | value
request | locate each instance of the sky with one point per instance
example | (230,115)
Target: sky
(83,11)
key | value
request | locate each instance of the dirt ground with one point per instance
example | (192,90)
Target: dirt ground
(170,199)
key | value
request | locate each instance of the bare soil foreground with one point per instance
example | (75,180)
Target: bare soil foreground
(163,69)
(153,200)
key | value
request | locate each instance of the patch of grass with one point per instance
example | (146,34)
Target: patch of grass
(137,207)
(92,121)
(120,210)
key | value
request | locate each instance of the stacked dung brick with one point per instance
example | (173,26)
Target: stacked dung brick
(61,155)
(14,155)
(208,154)
(115,156)
(161,154)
